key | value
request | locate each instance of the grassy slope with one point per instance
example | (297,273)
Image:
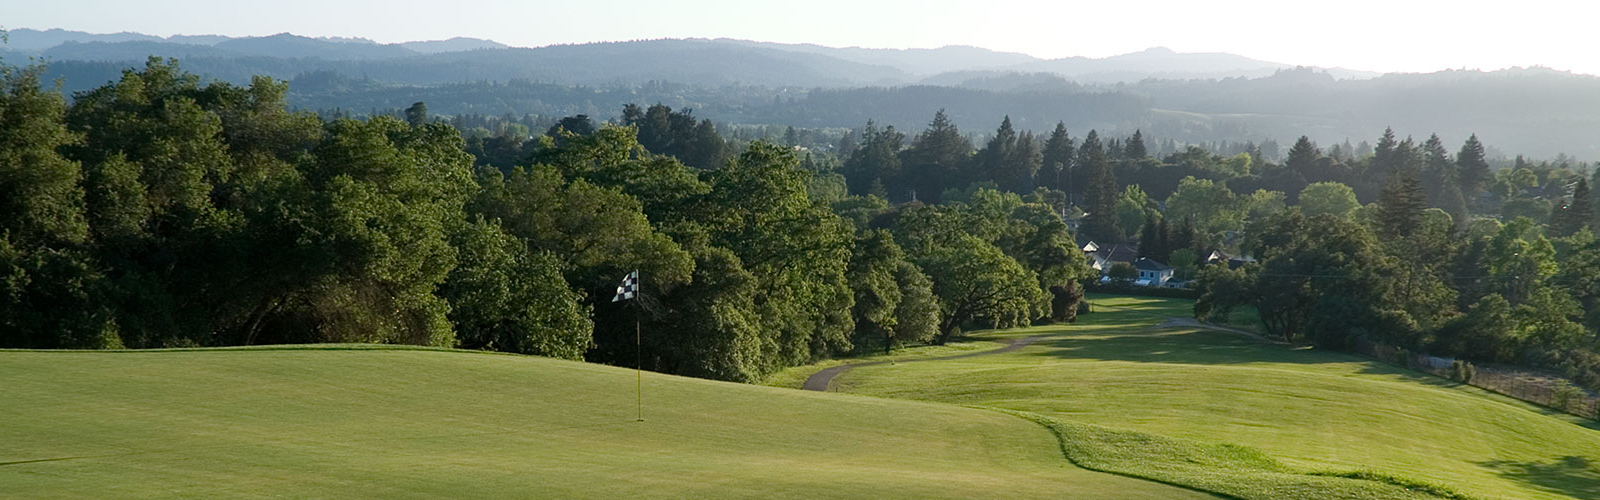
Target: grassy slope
(380,423)
(1311,410)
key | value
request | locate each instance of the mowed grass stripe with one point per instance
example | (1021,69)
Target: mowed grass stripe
(1315,411)
(364,423)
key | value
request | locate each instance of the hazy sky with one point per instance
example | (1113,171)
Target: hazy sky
(1379,35)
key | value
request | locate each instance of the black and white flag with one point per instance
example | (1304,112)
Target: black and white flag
(629,288)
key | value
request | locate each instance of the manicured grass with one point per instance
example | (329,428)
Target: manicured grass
(795,376)
(1307,410)
(346,422)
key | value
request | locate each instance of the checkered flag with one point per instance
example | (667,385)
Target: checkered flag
(629,288)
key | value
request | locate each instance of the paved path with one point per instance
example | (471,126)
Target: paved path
(820,381)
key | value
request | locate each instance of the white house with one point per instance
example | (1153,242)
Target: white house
(1152,273)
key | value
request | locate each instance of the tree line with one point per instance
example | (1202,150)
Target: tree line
(157,211)
(1400,242)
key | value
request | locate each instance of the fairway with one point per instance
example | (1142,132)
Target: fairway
(1314,411)
(415,423)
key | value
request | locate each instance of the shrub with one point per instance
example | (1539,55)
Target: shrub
(1564,396)
(1462,371)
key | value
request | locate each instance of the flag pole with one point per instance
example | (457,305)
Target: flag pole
(638,358)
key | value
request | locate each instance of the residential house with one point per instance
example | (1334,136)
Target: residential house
(1152,273)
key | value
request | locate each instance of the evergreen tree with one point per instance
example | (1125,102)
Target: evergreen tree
(1400,204)
(1150,241)
(1472,168)
(1058,158)
(417,114)
(934,161)
(1303,158)
(875,162)
(1383,157)
(1022,165)
(1100,197)
(993,162)
(1185,236)
(1135,150)
(1441,181)
(1567,217)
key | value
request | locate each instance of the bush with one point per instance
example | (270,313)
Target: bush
(1402,357)
(1565,396)
(1462,371)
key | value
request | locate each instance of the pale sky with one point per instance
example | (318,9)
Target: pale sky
(1375,35)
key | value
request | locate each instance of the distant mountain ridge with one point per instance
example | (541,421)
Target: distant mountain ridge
(889,66)
(78,45)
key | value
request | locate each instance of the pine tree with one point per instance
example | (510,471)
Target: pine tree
(1185,236)
(1303,158)
(875,162)
(1100,197)
(1401,203)
(1058,160)
(1383,157)
(1472,168)
(935,160)
(1441,180)
(1022,165)
(1148,239)
(1134,149)
(1583,204)
(1567,217)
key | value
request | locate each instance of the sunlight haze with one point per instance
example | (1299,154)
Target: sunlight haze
(1370,35)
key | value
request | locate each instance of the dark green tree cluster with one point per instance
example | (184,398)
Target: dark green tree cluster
(677,134)
(158,211)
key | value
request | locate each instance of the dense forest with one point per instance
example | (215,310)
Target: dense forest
(161,210)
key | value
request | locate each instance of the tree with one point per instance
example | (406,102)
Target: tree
(1303,158)
(1579,213)
(1101,194)
(993,161)
(1210,204)
(1135,208)
(1519,260)
(1023,165)
(875,160)
(1400,204)
(1123,272)
(577,125)
(1135,150)
(1384,157)
(796,249)
(1441,180)
(1472,168)
(974,280)
(1057,160)
(505,298)
(935,160)
(916,318)
(417,114)
(873,274)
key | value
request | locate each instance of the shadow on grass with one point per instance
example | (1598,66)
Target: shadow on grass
(1571,475)
(1203,347)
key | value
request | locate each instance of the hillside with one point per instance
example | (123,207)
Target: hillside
(1312,410)
(349,422)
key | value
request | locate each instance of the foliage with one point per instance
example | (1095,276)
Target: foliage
(1210,204)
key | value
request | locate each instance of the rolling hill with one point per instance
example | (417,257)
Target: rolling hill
(1310,411)
(352,422)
